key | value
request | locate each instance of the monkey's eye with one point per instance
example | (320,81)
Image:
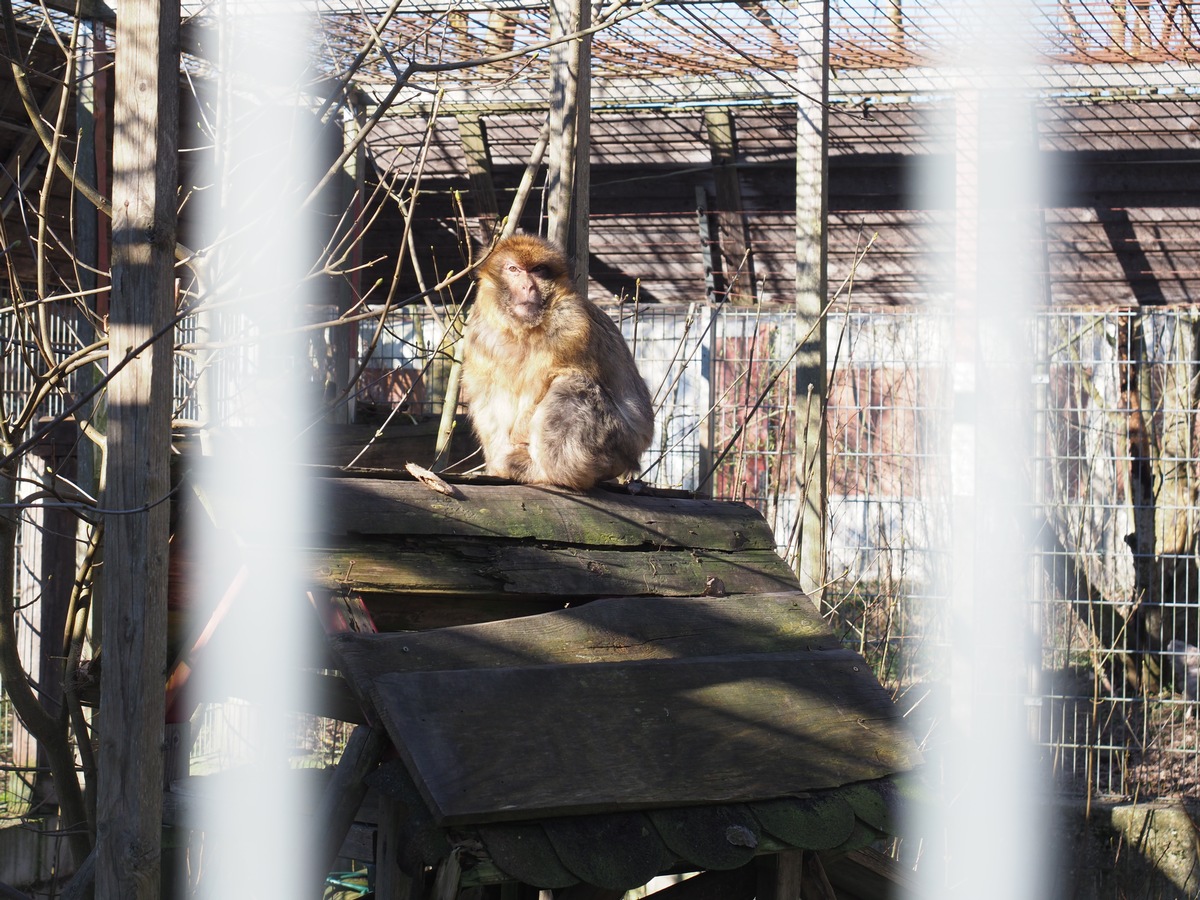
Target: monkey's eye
(542,271)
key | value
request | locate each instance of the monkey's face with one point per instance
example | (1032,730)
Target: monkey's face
(526,292)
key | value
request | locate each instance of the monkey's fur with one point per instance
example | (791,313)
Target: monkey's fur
(551,387)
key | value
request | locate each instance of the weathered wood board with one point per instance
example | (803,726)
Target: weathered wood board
(423,559)
(496,569)
(381,507)
(520,743)
(628,704)
(622,629)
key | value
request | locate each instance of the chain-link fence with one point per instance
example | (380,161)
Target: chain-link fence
(1115,582)
(1112,592)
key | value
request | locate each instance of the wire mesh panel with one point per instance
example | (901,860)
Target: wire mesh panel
(673,349)
(888,500)
(1116,583)
(408,366)
(31,344)
(1114,480)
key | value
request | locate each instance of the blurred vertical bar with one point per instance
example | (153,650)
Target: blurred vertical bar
(261,244)
(991,812)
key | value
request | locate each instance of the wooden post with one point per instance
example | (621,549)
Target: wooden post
(737,263)
(812,166)
(391,882)
(129,807)
(896,23)
(568,180)
(473,133)
(345,791)
(779,876)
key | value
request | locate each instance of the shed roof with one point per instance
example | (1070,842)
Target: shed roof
(631,736)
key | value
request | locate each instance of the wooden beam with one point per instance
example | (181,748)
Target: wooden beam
(472,569)
(362,508)
(779,876)
(472,131)
(344,339)
(501,30)
(812,203)
(89,229)
(707,245)
(764,88)
(608,631)
(391,881)
(27,157)
(733,238)
(345,792)
(43,583)
(85,9)
(146,117)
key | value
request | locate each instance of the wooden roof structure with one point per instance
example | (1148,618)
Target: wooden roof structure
(1117,102)
(679,706)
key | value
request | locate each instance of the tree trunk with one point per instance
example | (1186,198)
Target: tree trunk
(568,179)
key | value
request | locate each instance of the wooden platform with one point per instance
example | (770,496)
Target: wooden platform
(634,703)
(576,692)
(592,689)
(420,559)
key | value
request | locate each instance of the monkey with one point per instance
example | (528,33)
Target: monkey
(552,391)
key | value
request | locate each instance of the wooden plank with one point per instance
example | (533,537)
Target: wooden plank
(676,732)
(496,569)
(780,876)
(815,823)
(737,261)
(418,612)
(624,629)
(344,794)
(472,131)
(524,852)
(375,507)
(710,837)
(634,852)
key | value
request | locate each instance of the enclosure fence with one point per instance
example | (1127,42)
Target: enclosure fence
(1111,586)
(1110,589)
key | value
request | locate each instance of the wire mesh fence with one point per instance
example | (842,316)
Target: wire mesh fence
(1113,567)
(1114,401)
(1115,583)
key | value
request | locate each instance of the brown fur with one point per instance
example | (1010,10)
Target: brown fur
(552,389)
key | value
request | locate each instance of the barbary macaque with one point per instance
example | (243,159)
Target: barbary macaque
(552,390)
